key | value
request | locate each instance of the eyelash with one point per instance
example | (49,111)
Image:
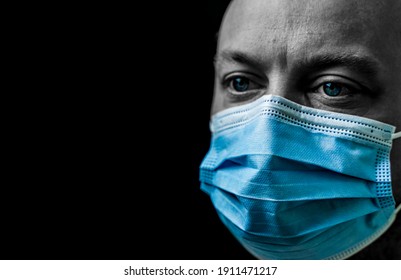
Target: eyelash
(337,81)
(350,87)
(227,83)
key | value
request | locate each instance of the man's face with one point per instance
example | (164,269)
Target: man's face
(337,55)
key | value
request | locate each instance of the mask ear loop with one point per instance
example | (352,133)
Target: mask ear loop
(396,135)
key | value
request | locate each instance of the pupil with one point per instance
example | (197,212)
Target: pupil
(241,84)
(331,89)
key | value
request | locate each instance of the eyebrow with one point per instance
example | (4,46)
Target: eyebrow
(362,64)
(229,56)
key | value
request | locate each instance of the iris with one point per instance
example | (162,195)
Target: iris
(332,89)
(240,84)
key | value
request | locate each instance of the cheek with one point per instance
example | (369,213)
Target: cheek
(387,106)
(218,98)
(391,106)
(358,105)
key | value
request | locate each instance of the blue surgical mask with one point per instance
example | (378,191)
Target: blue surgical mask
(292,182)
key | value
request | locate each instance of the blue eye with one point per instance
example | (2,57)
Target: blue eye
(240,84)
(332,89)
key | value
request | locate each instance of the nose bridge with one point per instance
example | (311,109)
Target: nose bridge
(278,84)
(282,84)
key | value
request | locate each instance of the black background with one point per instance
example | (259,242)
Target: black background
(173,218)
(107,134)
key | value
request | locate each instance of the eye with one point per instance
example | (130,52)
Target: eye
(338,94)
(334,89)
(241,85)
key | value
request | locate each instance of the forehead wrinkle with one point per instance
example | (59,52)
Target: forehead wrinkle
(347,19)
(238,57)
(280,29)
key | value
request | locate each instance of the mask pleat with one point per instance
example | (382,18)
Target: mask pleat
(300,220)
(309,246)
(290,186)
(295,143)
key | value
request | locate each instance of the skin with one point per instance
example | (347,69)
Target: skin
(278,47)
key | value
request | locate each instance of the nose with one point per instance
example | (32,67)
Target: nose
(280,83)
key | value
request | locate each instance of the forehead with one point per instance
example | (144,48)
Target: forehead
(301,27)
